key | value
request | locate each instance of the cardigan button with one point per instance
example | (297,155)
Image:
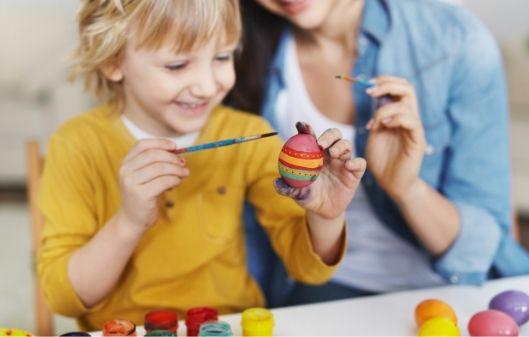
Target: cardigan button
(221,190)
(429,150)
(169,204)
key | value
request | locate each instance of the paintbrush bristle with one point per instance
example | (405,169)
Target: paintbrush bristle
(345,77)
(268,134)
(356,80)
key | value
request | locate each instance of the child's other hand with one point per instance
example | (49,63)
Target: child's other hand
(334,189)
(148,170)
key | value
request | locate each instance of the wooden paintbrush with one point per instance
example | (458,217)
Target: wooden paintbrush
(220,143)
(367,83)
(356,80)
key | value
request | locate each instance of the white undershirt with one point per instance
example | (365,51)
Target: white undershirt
(377,259)
(180,141)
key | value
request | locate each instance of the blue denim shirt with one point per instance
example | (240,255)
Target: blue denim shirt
(456,68)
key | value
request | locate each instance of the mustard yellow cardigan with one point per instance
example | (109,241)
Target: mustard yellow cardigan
(195,253)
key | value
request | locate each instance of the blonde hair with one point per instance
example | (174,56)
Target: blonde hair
(106,25)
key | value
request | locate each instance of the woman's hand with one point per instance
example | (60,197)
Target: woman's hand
(334,189)
(396,142)
(148,170)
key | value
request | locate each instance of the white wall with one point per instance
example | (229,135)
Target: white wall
(36,38)
(507,19)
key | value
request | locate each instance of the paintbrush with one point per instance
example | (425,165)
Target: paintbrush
(356,80)
(220,143)
(369,84)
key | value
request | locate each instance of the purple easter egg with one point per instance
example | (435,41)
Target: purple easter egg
(492,323)
(514,303)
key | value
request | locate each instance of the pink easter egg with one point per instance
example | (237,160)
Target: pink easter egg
(492,323)
(300,160)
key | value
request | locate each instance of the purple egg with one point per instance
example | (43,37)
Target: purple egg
(514,303)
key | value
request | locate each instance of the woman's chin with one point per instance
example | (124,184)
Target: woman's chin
(307,21)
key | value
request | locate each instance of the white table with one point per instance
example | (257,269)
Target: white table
(382,315)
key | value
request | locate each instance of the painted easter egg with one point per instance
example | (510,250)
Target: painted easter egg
(492,323)
(300,160)
(439,326)
(514,303)
(431,308)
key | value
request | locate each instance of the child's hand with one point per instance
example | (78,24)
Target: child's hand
(334,189)
(148,170)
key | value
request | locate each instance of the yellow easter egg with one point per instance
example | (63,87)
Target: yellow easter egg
(439,326)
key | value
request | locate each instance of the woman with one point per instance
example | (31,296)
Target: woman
(435,205)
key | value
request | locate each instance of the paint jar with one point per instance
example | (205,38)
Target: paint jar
(160,333)
(119,327)
(257,322)
(196,316)
(163,319)
(215,329)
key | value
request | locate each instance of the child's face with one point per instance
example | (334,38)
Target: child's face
(168,94)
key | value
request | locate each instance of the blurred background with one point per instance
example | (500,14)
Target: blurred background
(36,37)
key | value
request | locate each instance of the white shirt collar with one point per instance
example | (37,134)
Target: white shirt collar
(181,141)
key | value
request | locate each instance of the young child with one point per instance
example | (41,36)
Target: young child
(130,226)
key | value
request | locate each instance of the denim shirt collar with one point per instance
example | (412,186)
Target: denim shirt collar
(375,20)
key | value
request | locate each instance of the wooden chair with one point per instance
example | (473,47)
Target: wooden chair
(34,164)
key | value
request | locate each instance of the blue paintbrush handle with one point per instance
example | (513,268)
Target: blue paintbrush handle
(220,143)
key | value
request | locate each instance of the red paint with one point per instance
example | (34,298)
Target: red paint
(196,316)
(304,143)
(161,320)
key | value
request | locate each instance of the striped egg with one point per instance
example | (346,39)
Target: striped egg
(300,160)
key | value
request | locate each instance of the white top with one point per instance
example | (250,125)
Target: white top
(181,141)
(377,259)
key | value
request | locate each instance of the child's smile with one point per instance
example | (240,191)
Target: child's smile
(192,109)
